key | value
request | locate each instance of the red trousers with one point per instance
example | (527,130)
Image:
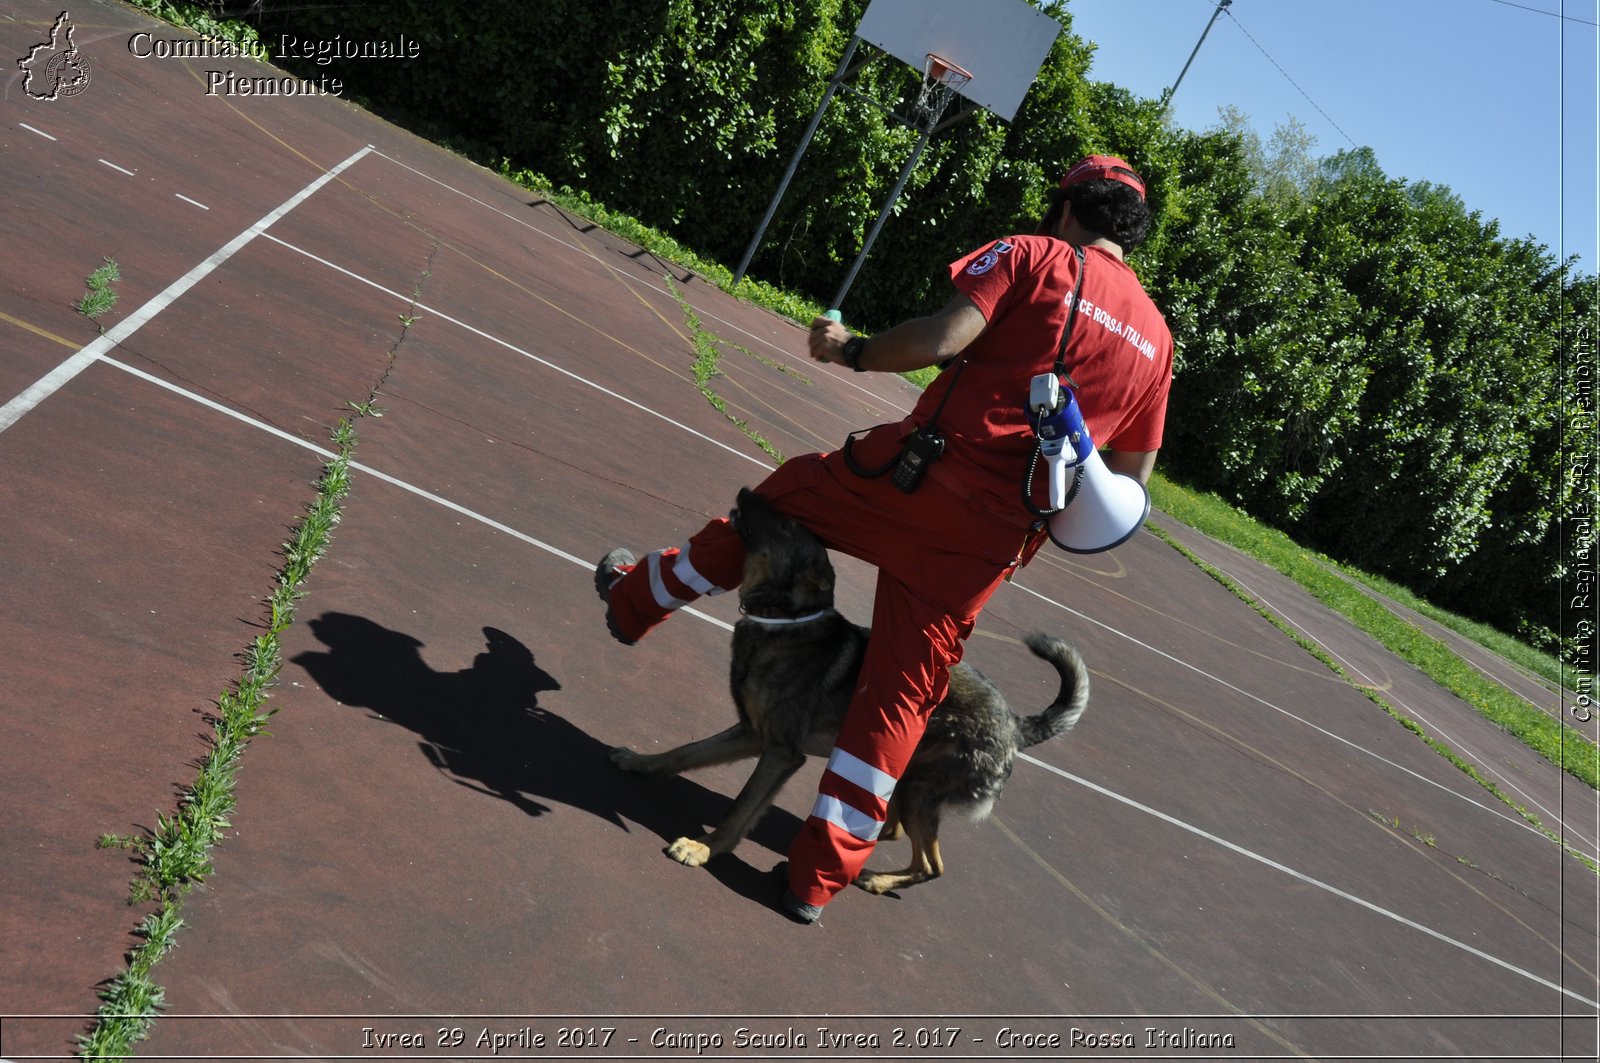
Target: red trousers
(939,558)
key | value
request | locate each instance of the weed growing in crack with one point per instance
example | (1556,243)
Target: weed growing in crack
(708,354)
(175,856)
(98,295)
(130,1001)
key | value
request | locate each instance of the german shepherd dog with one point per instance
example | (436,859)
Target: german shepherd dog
(795,662)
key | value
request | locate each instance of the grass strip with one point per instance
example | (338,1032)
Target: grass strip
(759,293)
(1322,578)
(175,856)
(658,243)
(1544,665)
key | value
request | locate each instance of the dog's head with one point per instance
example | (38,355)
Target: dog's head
(786,571)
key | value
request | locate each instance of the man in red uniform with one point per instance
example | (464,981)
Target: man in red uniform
(942,549)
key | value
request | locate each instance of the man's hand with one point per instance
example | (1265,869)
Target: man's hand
(826,341)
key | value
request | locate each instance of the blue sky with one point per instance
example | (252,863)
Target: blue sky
(1495,99)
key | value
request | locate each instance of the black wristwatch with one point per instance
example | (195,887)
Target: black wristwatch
(852,352)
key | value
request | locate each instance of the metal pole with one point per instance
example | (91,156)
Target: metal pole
(1222,5)
(794,163)
(855,267)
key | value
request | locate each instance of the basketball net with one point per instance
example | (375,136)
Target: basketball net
(941,79)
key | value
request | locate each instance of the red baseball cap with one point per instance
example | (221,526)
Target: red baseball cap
(1104,166)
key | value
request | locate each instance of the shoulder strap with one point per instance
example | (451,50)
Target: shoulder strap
(954,379)
(1072,311)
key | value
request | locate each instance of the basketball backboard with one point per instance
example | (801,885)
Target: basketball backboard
(1003,43)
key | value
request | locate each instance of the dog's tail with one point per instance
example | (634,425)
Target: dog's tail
(1063,715)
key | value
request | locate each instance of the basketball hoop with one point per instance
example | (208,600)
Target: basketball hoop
(941,79)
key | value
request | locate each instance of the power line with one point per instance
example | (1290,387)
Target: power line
(1289,79)
(1541,11)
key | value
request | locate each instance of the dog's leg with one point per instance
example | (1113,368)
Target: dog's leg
(892,831)
(736,743)
(771,772)
(927,863)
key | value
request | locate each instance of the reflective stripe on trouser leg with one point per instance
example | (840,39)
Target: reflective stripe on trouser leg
(905,674)
(856,799)
(710,563)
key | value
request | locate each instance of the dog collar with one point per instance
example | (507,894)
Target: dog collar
(782,621)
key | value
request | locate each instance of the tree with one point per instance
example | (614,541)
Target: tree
(1457,331)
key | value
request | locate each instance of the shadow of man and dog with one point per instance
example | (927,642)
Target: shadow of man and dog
(483,728)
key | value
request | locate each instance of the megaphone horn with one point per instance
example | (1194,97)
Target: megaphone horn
(1105,511)
(1104,508)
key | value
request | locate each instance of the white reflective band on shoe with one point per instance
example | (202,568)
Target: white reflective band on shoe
(684,570)
(663,597)
(853,821)
(854,769)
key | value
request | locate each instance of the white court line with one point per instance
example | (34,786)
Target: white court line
(846,379)
(324,452)
(1307,879)
(441,315)
(1483,764)
(196,202)
(1468,798)
(588,566)
(119,169)
(54,380)
(31,129)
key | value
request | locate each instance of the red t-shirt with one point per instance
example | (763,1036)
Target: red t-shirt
(1119,359)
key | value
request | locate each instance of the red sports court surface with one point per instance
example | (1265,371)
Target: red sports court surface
(1236,855)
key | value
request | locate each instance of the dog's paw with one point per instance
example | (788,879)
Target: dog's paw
(875,883)
(628,760)
(882,882)
(689,852)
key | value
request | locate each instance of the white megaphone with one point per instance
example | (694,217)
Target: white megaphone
(1104,508)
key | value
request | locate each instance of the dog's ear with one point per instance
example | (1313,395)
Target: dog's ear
(815,580)
(750,514)
(819,581)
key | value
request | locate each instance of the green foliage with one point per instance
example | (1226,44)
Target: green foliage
(1369,365)
(206,20)
(1270,372)
(130,1002)
(1461,359)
